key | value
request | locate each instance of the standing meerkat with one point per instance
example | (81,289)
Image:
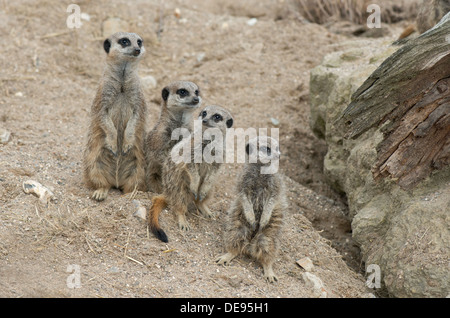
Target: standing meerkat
(254,221)
(114,156)
(180,99)
(190,181)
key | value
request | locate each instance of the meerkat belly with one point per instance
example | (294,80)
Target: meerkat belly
(203,171)
(121,112)
(175,183)
(259,200)
(206,169)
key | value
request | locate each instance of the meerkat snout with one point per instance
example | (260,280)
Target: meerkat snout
(215,116)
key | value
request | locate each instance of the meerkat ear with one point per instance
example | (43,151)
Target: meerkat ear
(230,122)
(165,93)
(107,45)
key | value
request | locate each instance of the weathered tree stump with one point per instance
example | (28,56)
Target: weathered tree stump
(408,96)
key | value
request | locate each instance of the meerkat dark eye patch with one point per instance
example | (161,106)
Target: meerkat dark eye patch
(182,92)
(139,42)
(165,93)
(197,92)
(107,45)
(203,114)
(124,42)
(229,123)
(217,117)
(248,149)
(266,150)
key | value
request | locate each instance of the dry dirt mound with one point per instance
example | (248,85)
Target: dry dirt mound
(48,80)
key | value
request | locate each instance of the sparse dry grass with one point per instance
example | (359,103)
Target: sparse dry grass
(324,11)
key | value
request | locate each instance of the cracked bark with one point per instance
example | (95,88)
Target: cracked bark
(409,95)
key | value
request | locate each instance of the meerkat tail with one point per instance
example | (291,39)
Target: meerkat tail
(158,204)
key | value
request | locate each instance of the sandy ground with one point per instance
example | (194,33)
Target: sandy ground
(48,79)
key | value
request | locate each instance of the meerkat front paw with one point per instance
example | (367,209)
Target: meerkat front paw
(202,195)
(127,145)
(251,223)
(111,145)
(194,193)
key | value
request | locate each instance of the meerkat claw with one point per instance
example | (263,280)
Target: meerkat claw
(100,194)
(225,259)
(271,278)
(183,223)
(114,153)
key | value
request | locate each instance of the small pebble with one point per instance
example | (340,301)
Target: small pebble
(275,121)
(149,81)
(5,136)
(306,264)
(34,187)
(85,16)
(177,13)
(316,284)
(141,211)
(252,21)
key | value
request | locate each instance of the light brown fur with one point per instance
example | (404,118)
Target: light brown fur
(183,182)
(254,220)
(176,112)
(430,13)
(114,155)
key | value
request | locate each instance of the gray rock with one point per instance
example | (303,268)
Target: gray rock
(406,233)
(149,82)
(315,284)
(5,136)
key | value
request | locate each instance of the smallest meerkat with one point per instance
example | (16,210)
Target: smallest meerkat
(254,221)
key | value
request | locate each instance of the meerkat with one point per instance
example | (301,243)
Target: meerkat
(190,181)
(254,220)
(114,155)
(429,14)
(180,100)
